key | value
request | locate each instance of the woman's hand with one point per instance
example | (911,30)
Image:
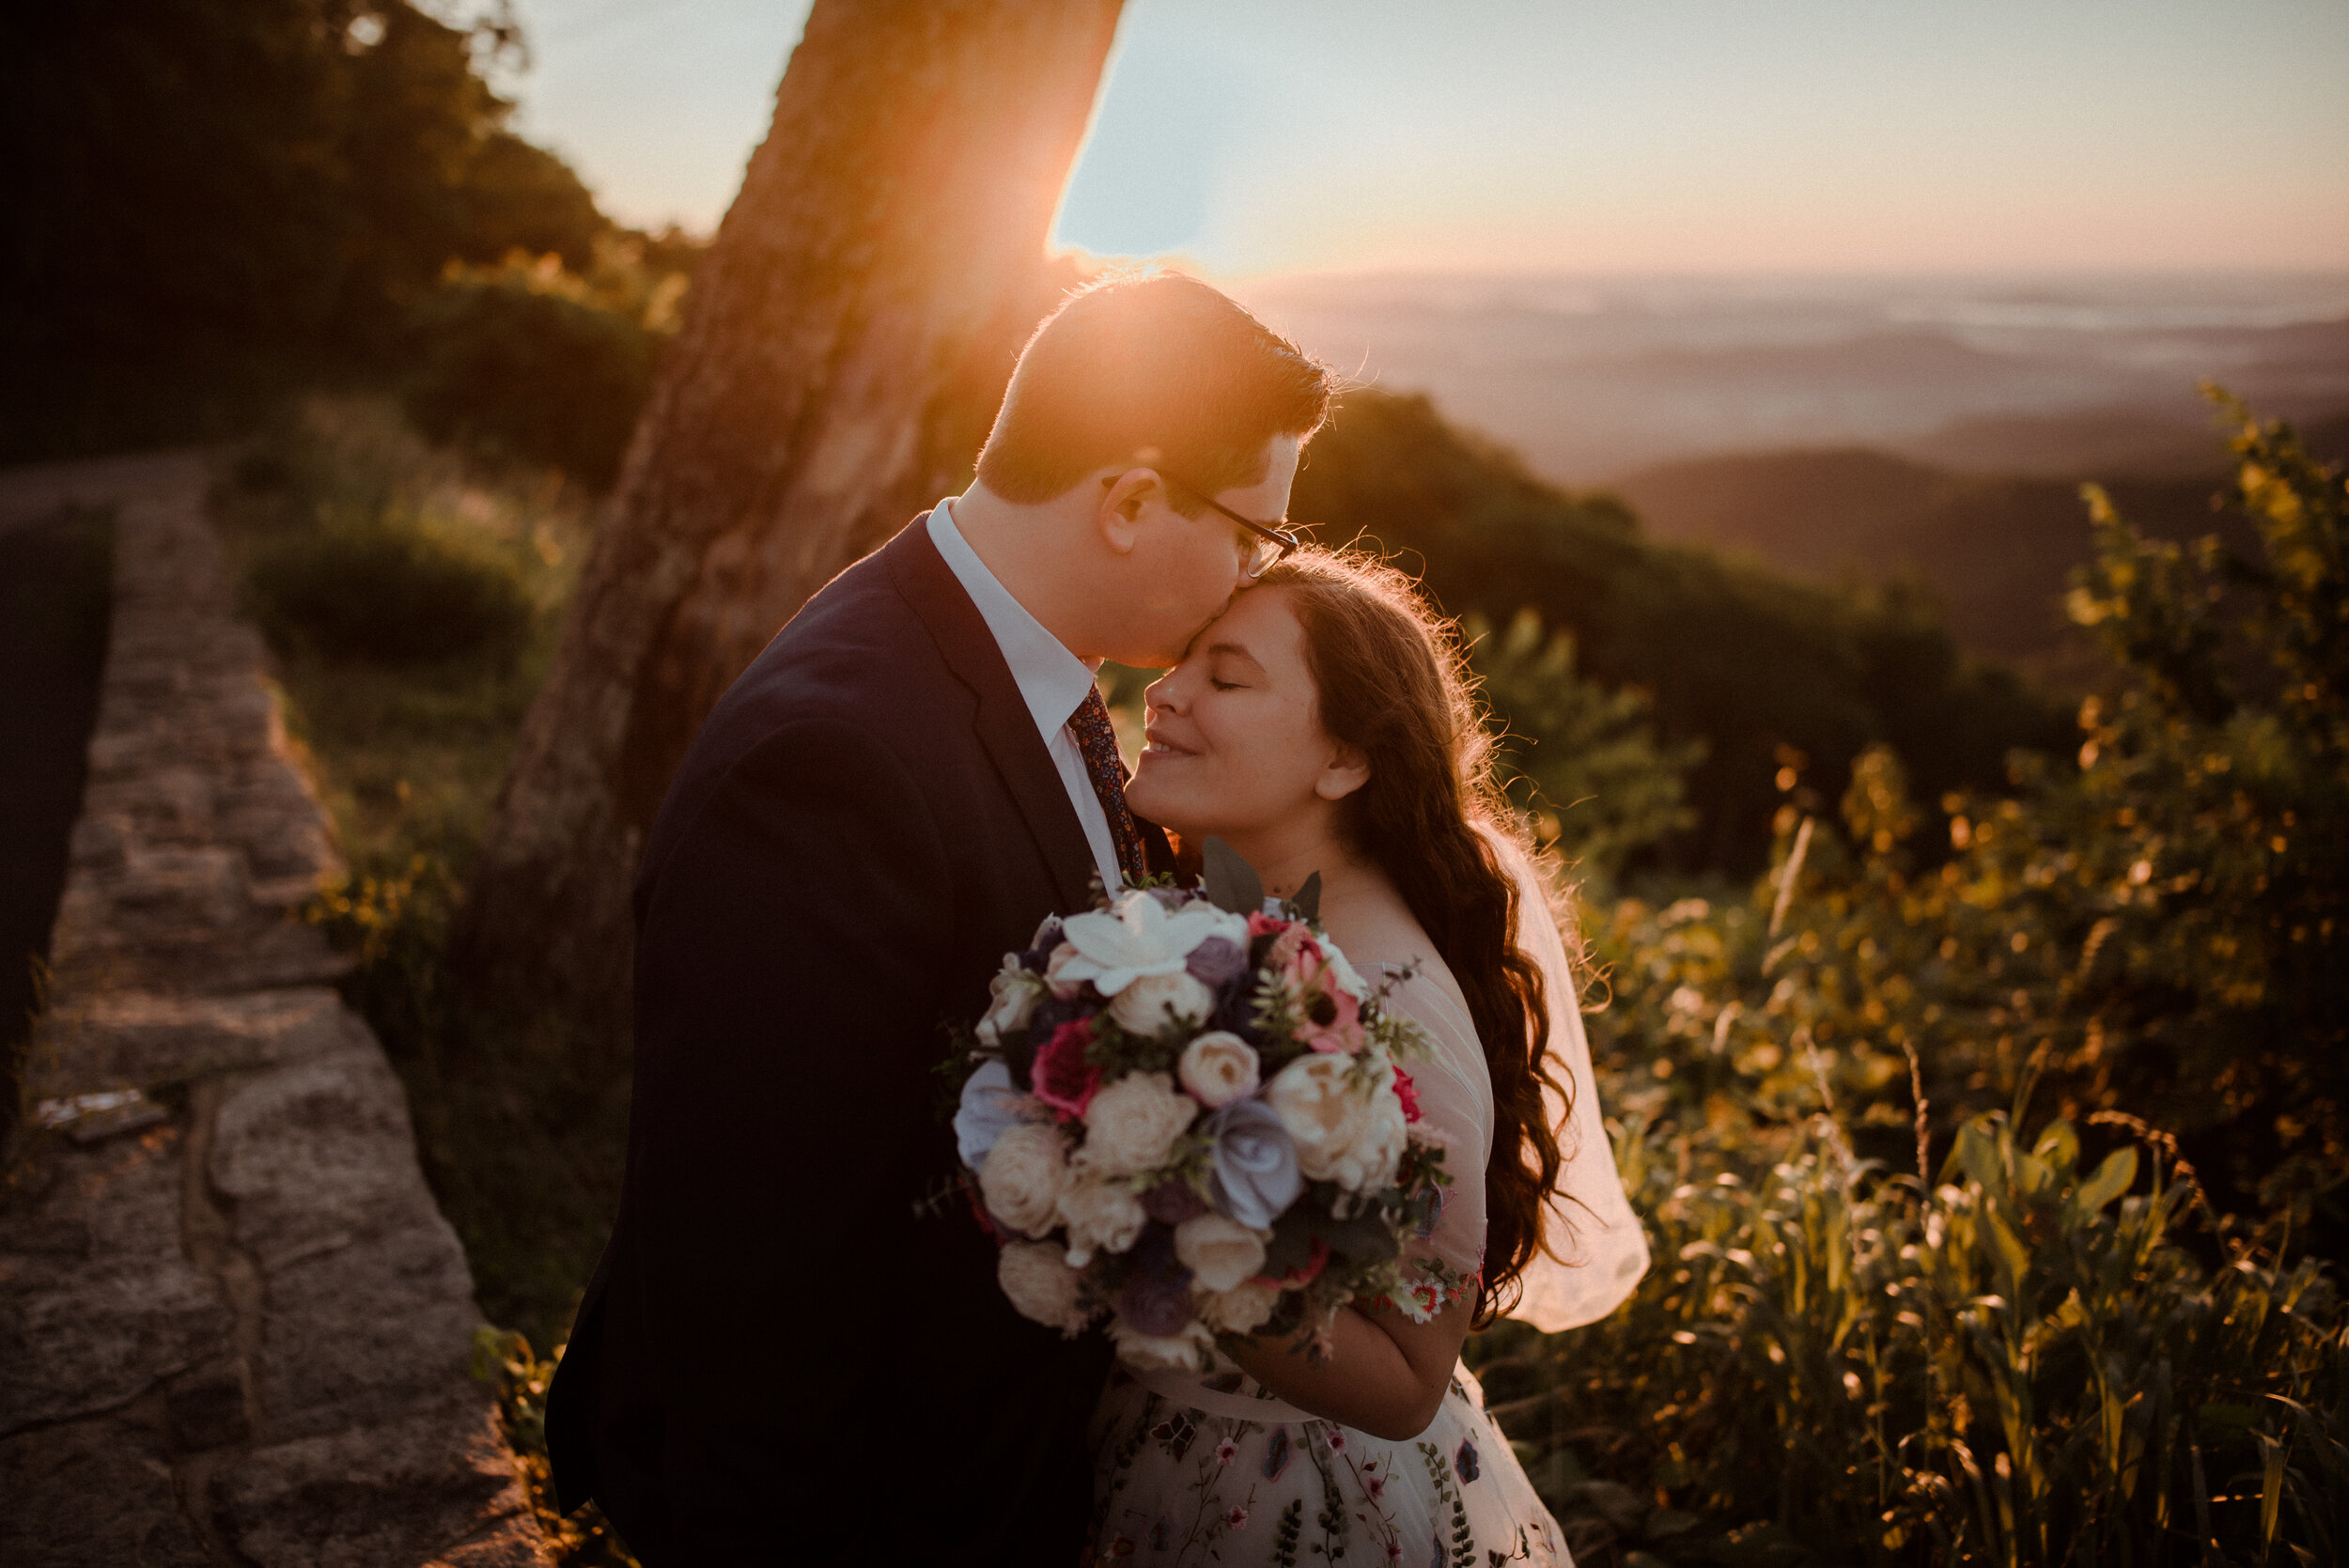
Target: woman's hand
(1386,1376)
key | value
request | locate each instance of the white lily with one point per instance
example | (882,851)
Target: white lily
(1137,937)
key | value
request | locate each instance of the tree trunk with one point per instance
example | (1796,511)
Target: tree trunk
(843,346)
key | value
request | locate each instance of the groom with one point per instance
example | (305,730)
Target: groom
(778,1360)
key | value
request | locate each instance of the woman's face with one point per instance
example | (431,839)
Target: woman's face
(1236,744)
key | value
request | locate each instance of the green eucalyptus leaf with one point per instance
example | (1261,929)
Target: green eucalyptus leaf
(1232,883)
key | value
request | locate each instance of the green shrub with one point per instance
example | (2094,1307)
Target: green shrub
(2029,1351)
(1600,786)
(510,365)
(389,588)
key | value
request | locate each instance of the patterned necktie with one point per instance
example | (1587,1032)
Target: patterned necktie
(1097,741)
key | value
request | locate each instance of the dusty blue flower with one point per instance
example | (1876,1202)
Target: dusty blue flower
(1254,1176)
(990,1103)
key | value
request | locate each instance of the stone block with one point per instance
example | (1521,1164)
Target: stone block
(98,1304)
(319,1155)
(416,1490)
(137,1039)
(88,1493)
(205,1407)
(369,1308)
(366,1333)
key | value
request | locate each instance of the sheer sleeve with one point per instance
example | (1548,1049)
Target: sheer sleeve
(1455,1107)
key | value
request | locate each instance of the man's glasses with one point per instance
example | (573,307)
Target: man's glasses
(1270,544)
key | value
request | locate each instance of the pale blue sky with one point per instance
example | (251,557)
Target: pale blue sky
(1683,135)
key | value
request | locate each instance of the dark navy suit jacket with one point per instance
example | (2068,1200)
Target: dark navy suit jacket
(778,1360)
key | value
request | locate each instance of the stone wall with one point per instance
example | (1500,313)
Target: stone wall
(234,1328)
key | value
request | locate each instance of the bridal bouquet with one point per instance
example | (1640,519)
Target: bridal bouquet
(1191,1116)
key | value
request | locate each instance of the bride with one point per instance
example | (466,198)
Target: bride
(1323,724)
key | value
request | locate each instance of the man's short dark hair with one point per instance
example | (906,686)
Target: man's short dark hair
(1150,369)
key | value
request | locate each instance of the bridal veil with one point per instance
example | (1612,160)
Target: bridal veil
(1594,1250)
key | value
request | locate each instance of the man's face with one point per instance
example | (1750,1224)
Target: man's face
(1188,569)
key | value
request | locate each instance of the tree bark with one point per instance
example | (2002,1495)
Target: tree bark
(843,346)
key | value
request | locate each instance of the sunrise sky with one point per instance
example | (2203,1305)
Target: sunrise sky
(1255,136)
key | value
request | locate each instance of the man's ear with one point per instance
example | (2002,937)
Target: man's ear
(1124,498)
(1347,770)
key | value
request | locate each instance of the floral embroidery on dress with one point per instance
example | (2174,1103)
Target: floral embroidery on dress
(1182,1486)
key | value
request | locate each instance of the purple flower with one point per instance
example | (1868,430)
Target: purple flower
(1171,1201)
(1254,1176)
(1039,952)
(1157,1298)
(1217,960)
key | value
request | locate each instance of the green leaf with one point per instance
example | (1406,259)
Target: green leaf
(2112,1178)
(1363,1236)
(1292,1240)
(1232,883)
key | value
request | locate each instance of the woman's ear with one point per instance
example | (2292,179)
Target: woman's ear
(1347,771)
(1124,498)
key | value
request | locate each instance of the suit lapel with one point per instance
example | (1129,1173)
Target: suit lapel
(1004,725)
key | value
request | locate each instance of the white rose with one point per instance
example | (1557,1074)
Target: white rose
(1218,1068)
(1323,1114)
(1041,1286)
(1241,1310)
(1218,1252)
(1024,1177)
(1369,1163)
(1149,1003)
(1189,1351)
(1132,1125)
(1013,991)
(1100,1216)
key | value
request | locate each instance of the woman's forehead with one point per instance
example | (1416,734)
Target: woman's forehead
(1259,624)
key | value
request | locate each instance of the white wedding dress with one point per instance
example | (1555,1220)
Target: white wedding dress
(1192,1470)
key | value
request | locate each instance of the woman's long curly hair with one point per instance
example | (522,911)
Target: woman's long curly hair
(1393,684)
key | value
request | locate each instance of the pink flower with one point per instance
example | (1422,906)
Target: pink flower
(1062,1076)
(1337,1441)
(1408,1092)
(1394,1551)
(1332,1020)
(1262,925)
(1375,1484)
(1236,1519)
(1224,1450)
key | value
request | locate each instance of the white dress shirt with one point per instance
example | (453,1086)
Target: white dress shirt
(1051,680)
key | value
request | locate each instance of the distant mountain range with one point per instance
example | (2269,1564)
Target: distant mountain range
(1994,549)
(1862,431)
(1591,380)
